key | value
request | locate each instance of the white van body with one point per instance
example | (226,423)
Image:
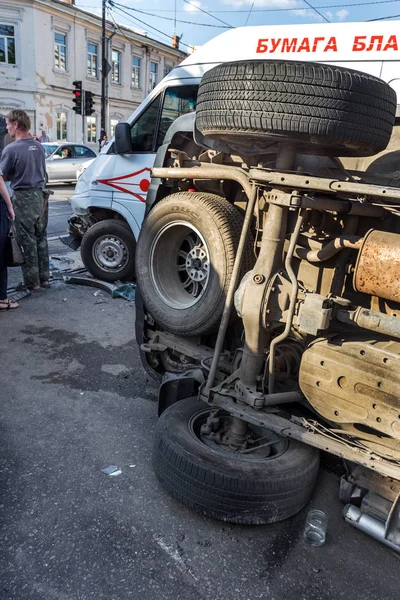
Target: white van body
(115,186)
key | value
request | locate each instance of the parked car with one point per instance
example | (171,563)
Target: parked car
(83,166)
(63,160)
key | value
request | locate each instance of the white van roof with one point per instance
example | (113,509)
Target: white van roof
(320,42)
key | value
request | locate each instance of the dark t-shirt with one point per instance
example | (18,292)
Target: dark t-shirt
(23,164)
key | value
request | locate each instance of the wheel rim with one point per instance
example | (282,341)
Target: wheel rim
(180,265)
(269,447)
(110,253)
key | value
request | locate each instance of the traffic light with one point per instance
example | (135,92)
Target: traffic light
(77,100)
(89,110)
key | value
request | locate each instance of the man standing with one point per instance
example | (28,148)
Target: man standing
(44,138)
(23,163)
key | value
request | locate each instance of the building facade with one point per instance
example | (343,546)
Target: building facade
(46,45)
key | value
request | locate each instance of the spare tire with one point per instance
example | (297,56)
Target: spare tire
(326,109)
(184,260)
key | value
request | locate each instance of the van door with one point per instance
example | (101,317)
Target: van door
(131,178)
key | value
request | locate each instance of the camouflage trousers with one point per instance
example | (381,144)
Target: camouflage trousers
(31,216)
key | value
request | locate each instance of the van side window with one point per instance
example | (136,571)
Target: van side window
(177,101)
(143,130)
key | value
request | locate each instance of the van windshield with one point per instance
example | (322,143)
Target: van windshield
(177,101)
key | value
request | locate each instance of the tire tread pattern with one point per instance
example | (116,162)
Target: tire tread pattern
(342,110)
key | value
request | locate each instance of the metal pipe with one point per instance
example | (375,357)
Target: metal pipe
(376,529)
(333,247)
(326,184)
(206,172)
(340,206)
(283,398)
(292,302)
(231,290)
(371,320)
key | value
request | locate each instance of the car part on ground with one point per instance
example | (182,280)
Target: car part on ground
(108,250)
(301,312)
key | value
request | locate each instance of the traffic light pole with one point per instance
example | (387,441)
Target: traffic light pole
(103,66)
(83,117)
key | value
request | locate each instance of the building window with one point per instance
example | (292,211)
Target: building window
(92,60)
(91,129)
(153,75)
(167,70)
(135,72)
(61,126)
(113,124)
(116,66)
(60,51)
(7,44)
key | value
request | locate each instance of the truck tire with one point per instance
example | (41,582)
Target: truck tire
(108,251)
(225,485)
(184,260)
(250,104)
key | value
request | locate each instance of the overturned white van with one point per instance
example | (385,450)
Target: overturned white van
(110,196)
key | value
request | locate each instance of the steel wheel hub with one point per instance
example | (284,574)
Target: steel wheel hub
(179,265)
(110,253)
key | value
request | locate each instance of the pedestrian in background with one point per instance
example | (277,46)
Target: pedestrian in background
(44,138)
(23,163)
(6,213)
(3,132)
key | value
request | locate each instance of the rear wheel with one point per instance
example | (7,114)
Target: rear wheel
(108,251)
(271,481)
(184,260)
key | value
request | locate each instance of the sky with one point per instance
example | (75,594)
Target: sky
(197,21)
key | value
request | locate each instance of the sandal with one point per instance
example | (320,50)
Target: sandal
(45,284)
(8,304)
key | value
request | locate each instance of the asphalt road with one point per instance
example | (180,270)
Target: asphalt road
(75,399)
(59,210)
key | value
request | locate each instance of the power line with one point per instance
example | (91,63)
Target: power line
(207,13)
(143,12)
(246,10)
(383,18)
(120,10)
(317,11)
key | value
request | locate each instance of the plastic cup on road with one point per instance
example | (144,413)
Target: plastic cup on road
(315,529)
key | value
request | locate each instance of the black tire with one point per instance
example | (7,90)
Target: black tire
(253,103)
(224,485)
(108,251)
(171,233)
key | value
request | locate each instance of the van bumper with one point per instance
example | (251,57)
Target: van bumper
(77,227)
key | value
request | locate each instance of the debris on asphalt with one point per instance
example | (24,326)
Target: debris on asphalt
(116,290)
(112,470)
(17,295)
(315,527)
(84,280)
(126,291)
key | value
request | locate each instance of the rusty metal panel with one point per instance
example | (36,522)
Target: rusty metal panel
(357,385)
(377,269)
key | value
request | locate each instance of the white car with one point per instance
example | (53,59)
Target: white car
(83,166)
(63,159)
